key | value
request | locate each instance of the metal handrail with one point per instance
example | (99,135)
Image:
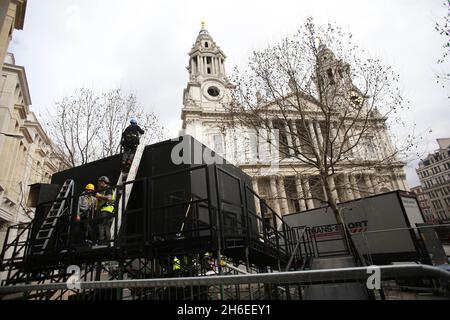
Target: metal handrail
(309,277)
(294,252)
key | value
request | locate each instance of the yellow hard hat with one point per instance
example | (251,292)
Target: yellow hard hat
(90,187)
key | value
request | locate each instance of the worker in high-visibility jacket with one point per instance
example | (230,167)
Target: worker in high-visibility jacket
(105,210)
(86,209)
(208,263)
(176,265)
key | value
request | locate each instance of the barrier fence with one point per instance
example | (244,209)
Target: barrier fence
(379,282)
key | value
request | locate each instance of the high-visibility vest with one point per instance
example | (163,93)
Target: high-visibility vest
(176,264)
(107,206)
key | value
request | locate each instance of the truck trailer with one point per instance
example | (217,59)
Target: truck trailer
(383,229)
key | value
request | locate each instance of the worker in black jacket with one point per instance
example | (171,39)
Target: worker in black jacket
(130,142)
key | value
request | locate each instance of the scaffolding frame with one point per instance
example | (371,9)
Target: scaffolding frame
(260,241)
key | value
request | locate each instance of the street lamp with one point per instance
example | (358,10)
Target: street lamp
(12,135)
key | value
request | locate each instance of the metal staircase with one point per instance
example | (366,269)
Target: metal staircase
(47,229)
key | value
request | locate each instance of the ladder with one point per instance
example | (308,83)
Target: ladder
(47,228)
(127,177)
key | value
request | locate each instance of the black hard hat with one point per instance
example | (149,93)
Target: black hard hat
(104,179)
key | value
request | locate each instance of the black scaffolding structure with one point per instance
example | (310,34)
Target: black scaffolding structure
(203,217)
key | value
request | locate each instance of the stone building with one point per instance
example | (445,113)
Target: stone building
(12,16)
(434,175)
(26,152)
(286,183)
(424,204)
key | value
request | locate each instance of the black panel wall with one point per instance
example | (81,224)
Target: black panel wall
(158,210)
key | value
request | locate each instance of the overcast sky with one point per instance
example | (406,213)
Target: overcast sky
(142,46)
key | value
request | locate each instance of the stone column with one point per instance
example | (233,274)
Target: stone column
(300,194)
(220,66)
(289,140)
(296,139)
(307,192)
(256,190)
(223,68)
(274,195)
(320,136)
(282,193)
(313,136)
(348,187)
(263,153)
(273,145)
(200,64)
(192,66)
(354,184)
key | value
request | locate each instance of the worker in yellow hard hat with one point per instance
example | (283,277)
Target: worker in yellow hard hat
(86,209)
(106,210)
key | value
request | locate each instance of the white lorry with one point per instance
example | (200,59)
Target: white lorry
(382,228)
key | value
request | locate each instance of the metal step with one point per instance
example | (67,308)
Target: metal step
(341,291)
(38,244)
(48,224)
(43,234)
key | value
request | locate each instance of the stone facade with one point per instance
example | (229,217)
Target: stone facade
(424,204)
(26,152)
(12,16)
(434,175)
(289,182)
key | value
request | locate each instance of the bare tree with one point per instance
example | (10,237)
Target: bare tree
(329,104)
(443,27)
(88,126)
(118,108)
(76,126)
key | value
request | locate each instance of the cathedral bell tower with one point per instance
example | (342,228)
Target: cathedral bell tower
(335,77)
(208,87)
(208,91)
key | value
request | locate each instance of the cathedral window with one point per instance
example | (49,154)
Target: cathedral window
(206,45)
(213,91)
(330,76)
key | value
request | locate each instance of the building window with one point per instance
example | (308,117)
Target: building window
(330,76)
(213,91)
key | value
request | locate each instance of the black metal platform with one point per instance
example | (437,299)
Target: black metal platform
(179,210)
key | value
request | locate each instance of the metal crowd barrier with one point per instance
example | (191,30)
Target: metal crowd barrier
(294,279)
